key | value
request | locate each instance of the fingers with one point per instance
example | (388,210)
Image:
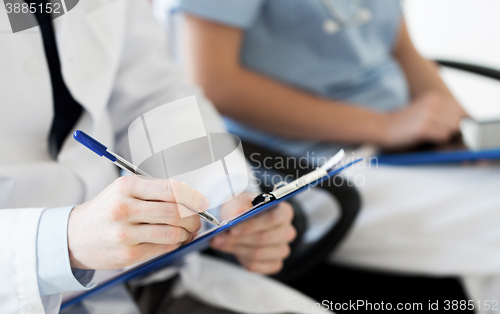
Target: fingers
(283,234)
(260,244)
(263,267)
(446,121)
(158,234)
(191,238)
(282,214)
(137,243)
(131,220)
(449,116)
(162,212)
(165,190)
(433,116)
(438,131)
(441,117)
(138,253)
(259,254)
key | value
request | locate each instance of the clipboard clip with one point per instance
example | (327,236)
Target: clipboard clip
(282,188)
(263,198)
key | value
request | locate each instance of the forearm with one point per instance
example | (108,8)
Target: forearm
(283,110)
(213,52)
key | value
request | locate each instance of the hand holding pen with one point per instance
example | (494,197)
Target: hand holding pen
(130,221)
(102,150)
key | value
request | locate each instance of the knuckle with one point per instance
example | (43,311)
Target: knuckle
(262,238)
(167,188)
(247,227)
(199,225)
(174,234)
(292,233)
(194,223)
(256,255)
(288,212)
(422,133)
(253,266)
(129,254)
(119,211)
(274,216)
(285,251)
(121,235)
(278,265)
(172,212)
(124,183)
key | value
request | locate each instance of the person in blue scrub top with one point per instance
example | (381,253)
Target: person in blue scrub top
(308,77)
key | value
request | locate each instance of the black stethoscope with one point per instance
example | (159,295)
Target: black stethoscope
(356,15)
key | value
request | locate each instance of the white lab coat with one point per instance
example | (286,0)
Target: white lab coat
(114,63)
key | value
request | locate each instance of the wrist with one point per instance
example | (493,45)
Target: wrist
(379,130)
(72,243)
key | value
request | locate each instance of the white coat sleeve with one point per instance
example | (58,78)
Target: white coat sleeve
(55,274)
(18,277)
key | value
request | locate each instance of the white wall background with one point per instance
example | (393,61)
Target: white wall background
(461,30)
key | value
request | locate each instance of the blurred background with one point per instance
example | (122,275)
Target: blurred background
(465,31)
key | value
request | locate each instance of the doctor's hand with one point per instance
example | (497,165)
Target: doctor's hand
(432,117)
(133,219)
(262,243)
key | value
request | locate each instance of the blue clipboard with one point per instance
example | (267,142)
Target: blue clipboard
(425,158)
(198,244)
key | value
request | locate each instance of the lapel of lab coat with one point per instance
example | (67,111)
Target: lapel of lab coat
(90,39)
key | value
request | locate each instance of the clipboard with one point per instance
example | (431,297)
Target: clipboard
(199,243)
(452,152)
(426,158)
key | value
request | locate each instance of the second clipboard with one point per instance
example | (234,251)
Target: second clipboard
(200,243)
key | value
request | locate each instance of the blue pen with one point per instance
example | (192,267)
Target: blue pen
(101,150)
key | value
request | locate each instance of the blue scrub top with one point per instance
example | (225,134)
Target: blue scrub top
(286,40)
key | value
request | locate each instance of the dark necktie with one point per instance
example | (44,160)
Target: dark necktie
(67,110)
